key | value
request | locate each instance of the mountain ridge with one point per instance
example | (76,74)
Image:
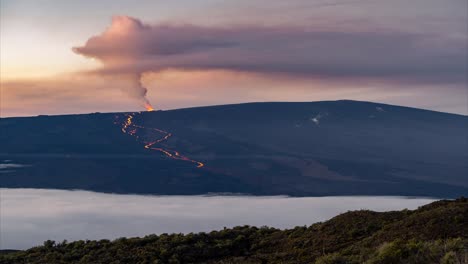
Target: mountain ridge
(300,149)
(241,104)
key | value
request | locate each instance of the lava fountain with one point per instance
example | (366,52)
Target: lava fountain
(148,106)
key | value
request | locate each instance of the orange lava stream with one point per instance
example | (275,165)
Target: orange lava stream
(128,127)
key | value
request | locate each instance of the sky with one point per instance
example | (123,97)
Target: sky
(61,57)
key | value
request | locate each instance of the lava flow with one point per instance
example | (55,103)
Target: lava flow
(129,128)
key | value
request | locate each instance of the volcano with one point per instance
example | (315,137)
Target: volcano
(297,149)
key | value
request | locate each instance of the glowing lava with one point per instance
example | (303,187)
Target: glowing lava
(129,128)
(148,106)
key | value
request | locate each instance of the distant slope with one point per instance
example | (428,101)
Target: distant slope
(299,149)
(435,233)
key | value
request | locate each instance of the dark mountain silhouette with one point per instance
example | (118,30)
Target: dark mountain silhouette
(298,149)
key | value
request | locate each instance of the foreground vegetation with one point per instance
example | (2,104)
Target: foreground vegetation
(435,233)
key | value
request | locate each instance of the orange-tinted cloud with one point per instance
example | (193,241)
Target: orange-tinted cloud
(65,94)
(129,46)
(178,89)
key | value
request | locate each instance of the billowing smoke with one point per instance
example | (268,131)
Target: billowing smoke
(117,36)
(138,91)
(129,48)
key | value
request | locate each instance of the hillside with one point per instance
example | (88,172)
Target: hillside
(435,233)
(297,149)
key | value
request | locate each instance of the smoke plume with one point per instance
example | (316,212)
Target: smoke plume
(117,36)
(129,48)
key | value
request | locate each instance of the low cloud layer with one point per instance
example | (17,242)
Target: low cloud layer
(129,46)
(31,216)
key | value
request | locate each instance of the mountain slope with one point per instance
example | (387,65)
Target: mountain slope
(317,148)
(435,233)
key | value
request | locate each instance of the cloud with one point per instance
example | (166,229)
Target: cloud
(31,216)
(129,46)
(85,93)
(65,94)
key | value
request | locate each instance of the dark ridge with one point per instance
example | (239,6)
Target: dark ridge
(435,233)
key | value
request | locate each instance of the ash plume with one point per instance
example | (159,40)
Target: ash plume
(129,47)
(121,28)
